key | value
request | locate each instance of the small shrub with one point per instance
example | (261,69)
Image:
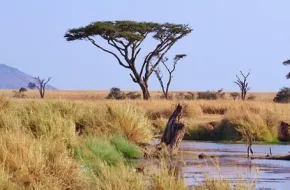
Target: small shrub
(170,96)
(208,95)
(189,96)
(128,149)
(283,96)
(116,93)
(251,97)
(235,95)
(179,96)
(185,96)
(19,94)
(22,89)
(133,95)
(221,94)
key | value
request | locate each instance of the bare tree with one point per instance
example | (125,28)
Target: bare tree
(243,84)
(40,84)
(159,75)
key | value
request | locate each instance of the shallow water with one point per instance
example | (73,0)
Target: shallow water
(233,164)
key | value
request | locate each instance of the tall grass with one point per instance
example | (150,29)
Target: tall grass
(261,122)
(39,148)
(128,149)
(36,140)
(97,148)
(122,177)
(39,163)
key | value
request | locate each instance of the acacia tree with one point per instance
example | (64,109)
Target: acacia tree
(170,72)
(243,84)
(40,84)
(126,38)
(287,63)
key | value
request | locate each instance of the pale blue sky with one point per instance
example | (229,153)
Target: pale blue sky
(228,36)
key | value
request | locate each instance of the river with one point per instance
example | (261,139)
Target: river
(233,163)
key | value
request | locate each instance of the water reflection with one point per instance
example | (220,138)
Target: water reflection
(233,164)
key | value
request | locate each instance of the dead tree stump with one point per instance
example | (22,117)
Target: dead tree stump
(174,131)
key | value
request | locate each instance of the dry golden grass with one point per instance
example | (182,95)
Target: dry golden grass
(36,136)
(101,94)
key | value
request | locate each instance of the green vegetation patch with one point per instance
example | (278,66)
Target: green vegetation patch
(95,148)
(128,149)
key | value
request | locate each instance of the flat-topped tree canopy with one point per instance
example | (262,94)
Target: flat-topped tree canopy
(286,62)
(126,37)
(130,31)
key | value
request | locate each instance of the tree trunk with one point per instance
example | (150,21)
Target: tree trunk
(145,91)
(174,132)
(41,92)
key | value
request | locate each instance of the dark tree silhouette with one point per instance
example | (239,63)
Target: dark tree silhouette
(39,84)
(283,96)
(243,84)
(22,89)
(287,63)
(159,75)
(126,38)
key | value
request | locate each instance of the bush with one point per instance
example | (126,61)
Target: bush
(208,95)
(116,93)
(22,89)
(170,96)
(283,96)
(235,95)
(133,95)
(251,97)
(185,96)
(221,94)
(19,94)
(189,96)
(179,96)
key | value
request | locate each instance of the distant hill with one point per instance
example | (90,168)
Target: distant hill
(12,78)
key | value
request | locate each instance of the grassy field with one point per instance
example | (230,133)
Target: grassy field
(99,95)
(40,148)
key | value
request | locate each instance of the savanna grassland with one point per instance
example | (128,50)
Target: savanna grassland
(41,149)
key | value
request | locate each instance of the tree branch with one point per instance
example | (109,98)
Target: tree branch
(149,71)
(134,80)
(112,43)
(47,81)
(110,52)
(159,77)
